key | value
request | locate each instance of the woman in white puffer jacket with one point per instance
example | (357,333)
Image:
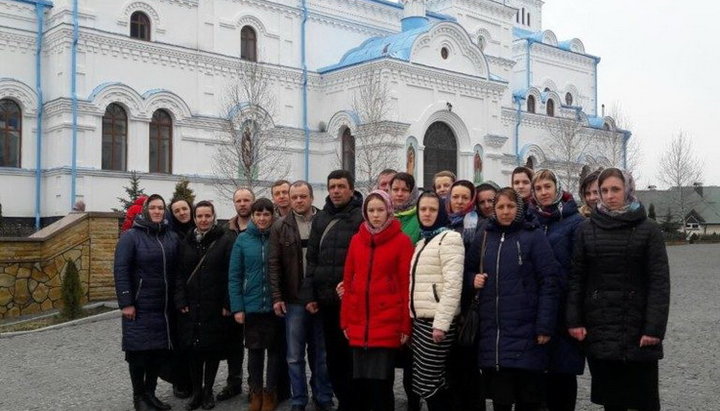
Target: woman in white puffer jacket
(436,274)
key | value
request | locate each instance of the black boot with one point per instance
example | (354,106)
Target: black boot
(228,392)
(155,402)
(141,403)
(208,401)
(182,392)
(195,403)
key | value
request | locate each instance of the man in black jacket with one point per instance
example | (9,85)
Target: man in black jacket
(242,200)
(330,235)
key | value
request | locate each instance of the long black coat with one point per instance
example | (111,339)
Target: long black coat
(326,262)
(206,293)
(145,260)
(619,287)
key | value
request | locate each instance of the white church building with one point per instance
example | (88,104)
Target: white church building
(91,90)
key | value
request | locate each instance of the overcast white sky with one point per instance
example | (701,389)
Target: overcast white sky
(660,60)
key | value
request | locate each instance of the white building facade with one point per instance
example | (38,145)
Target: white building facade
(91,90)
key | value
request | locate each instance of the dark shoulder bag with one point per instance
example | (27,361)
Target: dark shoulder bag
(471,319)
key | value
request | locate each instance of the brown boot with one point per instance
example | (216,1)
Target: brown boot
(256,401)
(269,401)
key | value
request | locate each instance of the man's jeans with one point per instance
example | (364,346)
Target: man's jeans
(305,329)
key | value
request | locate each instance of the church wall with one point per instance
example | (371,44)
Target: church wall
(194,55)
(576,76)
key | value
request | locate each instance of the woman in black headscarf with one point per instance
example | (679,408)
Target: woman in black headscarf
(436,274)
(181,217)
(145,260)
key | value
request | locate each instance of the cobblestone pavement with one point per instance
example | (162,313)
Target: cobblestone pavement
(82,367)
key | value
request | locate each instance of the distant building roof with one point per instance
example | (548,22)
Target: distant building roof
(706,206)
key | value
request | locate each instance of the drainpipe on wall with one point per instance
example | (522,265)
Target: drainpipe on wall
(518,100)
(40,17)
(597,60)
(527,69)
(73,92)
(303,56)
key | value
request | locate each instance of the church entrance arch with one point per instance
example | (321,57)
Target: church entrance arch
(440,151)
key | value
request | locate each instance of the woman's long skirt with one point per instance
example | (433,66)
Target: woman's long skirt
(430,358)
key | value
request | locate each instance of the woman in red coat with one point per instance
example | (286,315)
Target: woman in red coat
(374,315)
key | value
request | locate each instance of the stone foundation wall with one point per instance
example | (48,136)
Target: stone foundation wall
(32,269)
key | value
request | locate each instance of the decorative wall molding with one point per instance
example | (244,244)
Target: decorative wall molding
(21,93)
(495,141)
(459,36)
(341,120)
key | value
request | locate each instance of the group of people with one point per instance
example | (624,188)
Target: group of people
(396,280)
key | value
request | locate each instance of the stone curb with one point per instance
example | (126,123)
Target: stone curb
(86,320)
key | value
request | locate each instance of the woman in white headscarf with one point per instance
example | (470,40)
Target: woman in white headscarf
(619,296)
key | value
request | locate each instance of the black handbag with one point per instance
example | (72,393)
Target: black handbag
(471,320)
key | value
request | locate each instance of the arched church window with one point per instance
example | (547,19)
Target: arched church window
(568,99)
(550,106)
(161,142)
(531,104)
(114,138)
(140,26)
(10,133)
(528,18)
(523,15)
(248,44)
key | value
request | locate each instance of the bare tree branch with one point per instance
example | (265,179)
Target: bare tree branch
(679,167)
(568,140)
(251,151)
(375,139)
(633,150)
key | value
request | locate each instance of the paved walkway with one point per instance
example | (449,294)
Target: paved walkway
(82,367)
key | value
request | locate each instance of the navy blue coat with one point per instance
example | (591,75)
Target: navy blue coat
(566,354)
(520,297)
(145,259)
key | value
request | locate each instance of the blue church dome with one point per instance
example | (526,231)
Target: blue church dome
(397,46)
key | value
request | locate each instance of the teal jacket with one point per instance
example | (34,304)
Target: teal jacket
(248,283)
